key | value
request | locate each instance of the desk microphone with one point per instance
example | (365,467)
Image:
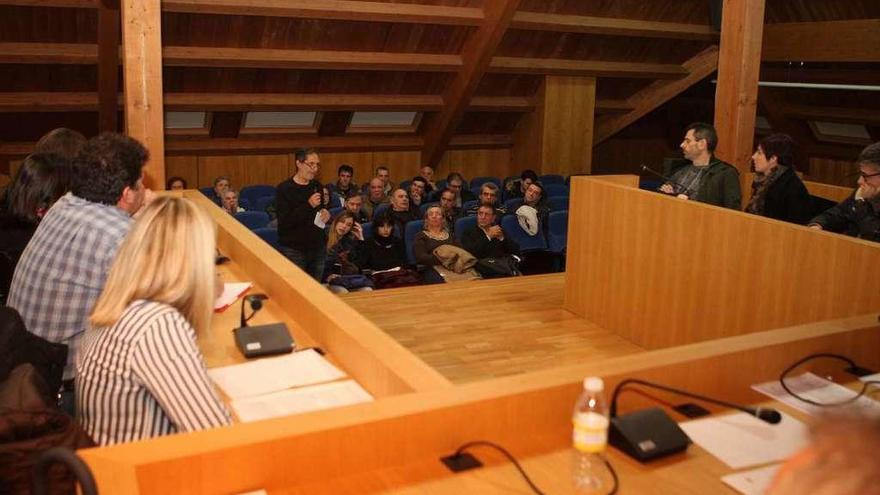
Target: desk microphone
(256,303)
(261,340)
(650,434)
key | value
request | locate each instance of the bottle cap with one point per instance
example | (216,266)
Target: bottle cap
(594,384)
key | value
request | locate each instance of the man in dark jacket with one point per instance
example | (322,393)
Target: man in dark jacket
(301,217)
(859,214)
(701,176)
(486,239)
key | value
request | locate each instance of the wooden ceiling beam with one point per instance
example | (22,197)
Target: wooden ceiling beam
(540,21)
(501,104)
(337,10)
(659,92)
(589,68)
(480,141)
(829,41)
(613,106)
(476,56)
(108,65)
(832,114)
(49,53)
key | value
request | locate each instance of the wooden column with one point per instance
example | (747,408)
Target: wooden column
(108,65)
(557,137)
(142,61)
(736,96)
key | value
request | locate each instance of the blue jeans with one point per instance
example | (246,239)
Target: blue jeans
(310,261)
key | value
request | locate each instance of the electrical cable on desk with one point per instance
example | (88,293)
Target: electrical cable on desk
(522,472)
(853,368)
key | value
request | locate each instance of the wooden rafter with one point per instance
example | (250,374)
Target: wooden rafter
(342,10)
(476,57)
(587,68)
(108,65)
(613,106)
(540,21)
(830,41)
(659,92)
(501,104)
(49,53)
(832,114)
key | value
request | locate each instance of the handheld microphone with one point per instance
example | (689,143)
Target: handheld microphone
(650,434)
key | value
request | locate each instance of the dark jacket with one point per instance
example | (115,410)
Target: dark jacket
(858,218)
(383,253)
(787,199)
(17,234)
(719,185)
(296,217)
(474,241)
(345,255)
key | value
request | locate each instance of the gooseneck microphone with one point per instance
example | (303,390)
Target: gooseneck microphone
(650,434)
(676,185)
(256,303)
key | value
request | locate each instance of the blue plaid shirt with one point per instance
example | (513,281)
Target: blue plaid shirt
(63,269)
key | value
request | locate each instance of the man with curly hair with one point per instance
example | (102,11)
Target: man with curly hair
(64,266)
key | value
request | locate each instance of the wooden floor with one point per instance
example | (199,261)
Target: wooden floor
(483,329)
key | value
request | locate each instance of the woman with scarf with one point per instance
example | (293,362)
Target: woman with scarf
(777,191)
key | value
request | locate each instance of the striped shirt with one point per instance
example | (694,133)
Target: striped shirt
(64,267)
(144,377)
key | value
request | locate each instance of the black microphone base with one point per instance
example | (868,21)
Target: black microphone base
(263,340)
(647,435)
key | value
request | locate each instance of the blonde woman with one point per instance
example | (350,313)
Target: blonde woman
(140,373)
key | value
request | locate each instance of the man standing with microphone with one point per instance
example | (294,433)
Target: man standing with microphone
(301,218)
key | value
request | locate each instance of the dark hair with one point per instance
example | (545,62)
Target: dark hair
(454,175)
(61,141)
(41,180)
(384,218)
(107,165)
(219,178)
(446,190)
(705,131)
(301,153)
(419,178)
(541,187)
(871,155)
(382,167)
(345,168)
(782,146)
(494,211)
(174,179)
(529,174)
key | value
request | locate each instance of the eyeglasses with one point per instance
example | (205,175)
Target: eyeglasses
(312,164)
(867,176)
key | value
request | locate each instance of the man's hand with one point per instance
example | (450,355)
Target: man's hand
(495,232)
(315,200)
(682,196)
(868,191)
(815,226)
(667,189)
(358,231)
(325,215)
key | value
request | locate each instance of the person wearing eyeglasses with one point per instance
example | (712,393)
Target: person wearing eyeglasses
(859,214)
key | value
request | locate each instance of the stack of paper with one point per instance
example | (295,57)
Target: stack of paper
(820,390)
(300,400)
(231,292)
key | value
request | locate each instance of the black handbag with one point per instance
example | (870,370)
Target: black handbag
(504,266)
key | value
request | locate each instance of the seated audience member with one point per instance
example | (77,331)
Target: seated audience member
(517,188)
(354,204)
(61,141)
(700,175)
(384,250)
(858,215)
(428,174)
(375,197)
(486,239)
(221,184)
(455,183)
(777,191)
(840,460)
(298,203)
(400,211)
(40,181)
(417,193)
(384,175)
(345,245)
(488,197)
(63,269)
(535,198)
(451,213)
(345,186)
(434,234)
(328,200)
(230,202)
(140,373)
(175,184)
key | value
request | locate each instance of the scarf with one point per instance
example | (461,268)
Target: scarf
(760,186)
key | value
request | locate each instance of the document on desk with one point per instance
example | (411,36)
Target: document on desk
(300,400)
(818,389)
(741,440)
(267,375)
(231,292)
(753,481)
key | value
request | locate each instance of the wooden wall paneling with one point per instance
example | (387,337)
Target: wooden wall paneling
(243,170)
(402,165)
(187,167)
(632,268)
(830,41)
(835,172)
(736,96)
(476,163)
(362,162)
(528,414)
(142,62)
(828,191)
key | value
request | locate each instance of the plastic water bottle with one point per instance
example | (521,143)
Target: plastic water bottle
(590,437)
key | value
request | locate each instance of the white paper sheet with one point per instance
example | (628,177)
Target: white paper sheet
(306,399)
(231,292)
(318,222)
(272,374)
(752,482)
(871,378)
(816,388)
(741,440)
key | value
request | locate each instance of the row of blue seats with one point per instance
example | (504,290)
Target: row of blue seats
(554,242)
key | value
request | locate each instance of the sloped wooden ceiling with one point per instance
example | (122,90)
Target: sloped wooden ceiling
(235,56)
